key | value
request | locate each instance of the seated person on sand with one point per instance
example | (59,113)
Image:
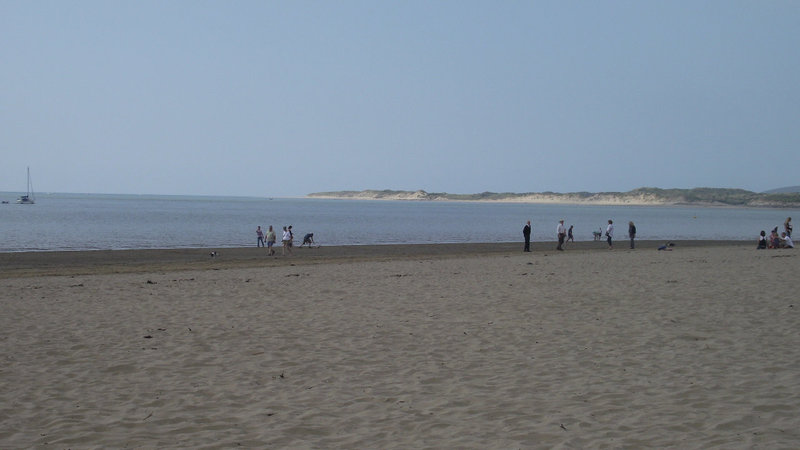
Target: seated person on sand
(308,239)
(774,240)
(762,241)
(787,241)
(667,247)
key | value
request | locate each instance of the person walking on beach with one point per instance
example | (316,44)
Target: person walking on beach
(260,234)
(787,226)
(631,232)
(610,234)
(570,237)
(526,233)
(271,241)
(286,240)
(561,230)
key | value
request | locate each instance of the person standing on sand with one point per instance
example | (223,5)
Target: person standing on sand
(526,233)
(631,232)
(610,234)
(787,226)
(260,234)
(270,241)
(570,237)
(562,233)
(286,240)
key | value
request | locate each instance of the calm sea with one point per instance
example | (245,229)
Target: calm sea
(86,222)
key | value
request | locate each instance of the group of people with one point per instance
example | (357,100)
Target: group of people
(784,240)
(565,235)
(287,240)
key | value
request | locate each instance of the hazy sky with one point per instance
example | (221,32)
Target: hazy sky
(268,98)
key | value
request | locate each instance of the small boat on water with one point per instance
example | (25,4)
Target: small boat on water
(28,198)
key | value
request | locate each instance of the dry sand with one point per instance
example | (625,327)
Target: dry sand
(449,346)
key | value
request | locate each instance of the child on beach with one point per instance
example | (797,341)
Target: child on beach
(774,239)
(762,241)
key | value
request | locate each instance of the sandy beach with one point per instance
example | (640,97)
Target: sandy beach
(424,346)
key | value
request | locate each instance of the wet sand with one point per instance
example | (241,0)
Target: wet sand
(127,261)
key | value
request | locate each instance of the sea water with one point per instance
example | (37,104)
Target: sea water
(92,221)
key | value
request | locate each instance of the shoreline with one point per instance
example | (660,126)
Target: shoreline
(85,262)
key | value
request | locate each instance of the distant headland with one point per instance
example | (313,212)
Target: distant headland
(643,197)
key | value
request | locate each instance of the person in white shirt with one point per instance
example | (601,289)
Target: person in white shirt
(561,230)
(287,241)
(787,241)
(610,233)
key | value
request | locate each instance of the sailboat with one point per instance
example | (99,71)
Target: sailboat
(28,198)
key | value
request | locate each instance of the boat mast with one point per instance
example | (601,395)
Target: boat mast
(27,199)
(30,184)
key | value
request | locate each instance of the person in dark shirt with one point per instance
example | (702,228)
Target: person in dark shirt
(631,232)
(526,233)
(762,241)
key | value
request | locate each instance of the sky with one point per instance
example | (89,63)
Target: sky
(274,99)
